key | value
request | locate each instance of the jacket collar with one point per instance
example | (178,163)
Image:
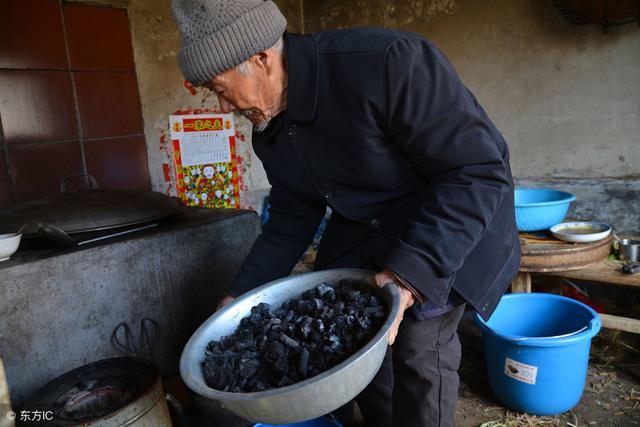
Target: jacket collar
(302,90)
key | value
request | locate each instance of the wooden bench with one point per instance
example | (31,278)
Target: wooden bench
(604,272)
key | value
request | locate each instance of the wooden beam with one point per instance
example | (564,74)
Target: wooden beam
(604,272)
(620,323)
(522,283)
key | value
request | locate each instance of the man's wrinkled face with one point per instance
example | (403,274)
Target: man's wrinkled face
(246,94)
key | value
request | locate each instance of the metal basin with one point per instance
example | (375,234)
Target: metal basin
(307,399)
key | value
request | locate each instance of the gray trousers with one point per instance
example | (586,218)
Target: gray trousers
(417,385)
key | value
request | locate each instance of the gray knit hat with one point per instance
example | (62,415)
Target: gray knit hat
(219,34)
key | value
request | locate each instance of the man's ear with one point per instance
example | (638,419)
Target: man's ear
(264,60)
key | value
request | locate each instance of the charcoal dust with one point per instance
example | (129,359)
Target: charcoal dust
(301,339)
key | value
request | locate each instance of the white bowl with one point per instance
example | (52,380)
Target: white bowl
(8,245)
(581,232)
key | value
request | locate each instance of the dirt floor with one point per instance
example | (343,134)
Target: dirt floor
(611,396)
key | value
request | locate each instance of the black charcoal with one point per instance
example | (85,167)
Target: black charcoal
(288,341)
(303,363)
(302,338)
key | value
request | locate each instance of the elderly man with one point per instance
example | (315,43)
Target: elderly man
(376,125)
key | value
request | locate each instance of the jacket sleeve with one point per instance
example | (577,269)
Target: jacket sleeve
(435,121)
(292,224)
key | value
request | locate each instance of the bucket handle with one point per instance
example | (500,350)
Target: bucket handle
(592,324)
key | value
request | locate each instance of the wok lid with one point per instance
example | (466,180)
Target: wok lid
(89,210)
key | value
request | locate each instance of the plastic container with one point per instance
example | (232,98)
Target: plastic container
(540,208)
(317,422)
(537,351)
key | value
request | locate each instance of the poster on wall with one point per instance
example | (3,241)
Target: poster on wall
(204,154)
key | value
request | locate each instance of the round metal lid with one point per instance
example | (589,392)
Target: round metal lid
(87,211)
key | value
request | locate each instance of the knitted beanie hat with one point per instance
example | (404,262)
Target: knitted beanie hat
(219,34)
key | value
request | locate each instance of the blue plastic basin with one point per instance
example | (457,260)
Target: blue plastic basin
(540,209)
(536,350)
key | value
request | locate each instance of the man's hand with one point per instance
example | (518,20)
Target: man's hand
(226,300)
(406,300)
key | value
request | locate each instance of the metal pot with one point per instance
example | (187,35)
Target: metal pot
(121,391)
(72,218)
(307,399)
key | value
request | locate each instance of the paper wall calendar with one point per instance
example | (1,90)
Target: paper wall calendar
(204,154)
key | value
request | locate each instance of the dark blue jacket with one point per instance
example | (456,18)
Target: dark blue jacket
(380,128)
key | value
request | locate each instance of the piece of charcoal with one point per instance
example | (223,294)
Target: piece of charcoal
(351,295)
(273,322)
(226,341)
(288,341)
(351,319)
(260,386)
(319,360)
(315,337)
(303,363)
(261,309)
(348,341)
(273,335)
(282,365)
(290,329)
(305,327)
(318,325)
(325,292)
(274,351)
(261,342)
(243,340)
(249,368)
(288,317)
(324,312)
(334,342)
(305,306)
(364,323)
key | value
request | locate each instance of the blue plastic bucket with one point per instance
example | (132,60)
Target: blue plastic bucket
(317,422)
(540,208)
(536,350)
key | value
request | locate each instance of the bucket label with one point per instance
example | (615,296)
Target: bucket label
(520,371)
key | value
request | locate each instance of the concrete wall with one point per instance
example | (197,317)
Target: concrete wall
(293,10)
(567,98)
(58,312)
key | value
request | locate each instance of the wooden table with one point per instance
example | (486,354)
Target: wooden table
(603,271)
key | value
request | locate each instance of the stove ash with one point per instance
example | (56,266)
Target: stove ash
(301,339)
